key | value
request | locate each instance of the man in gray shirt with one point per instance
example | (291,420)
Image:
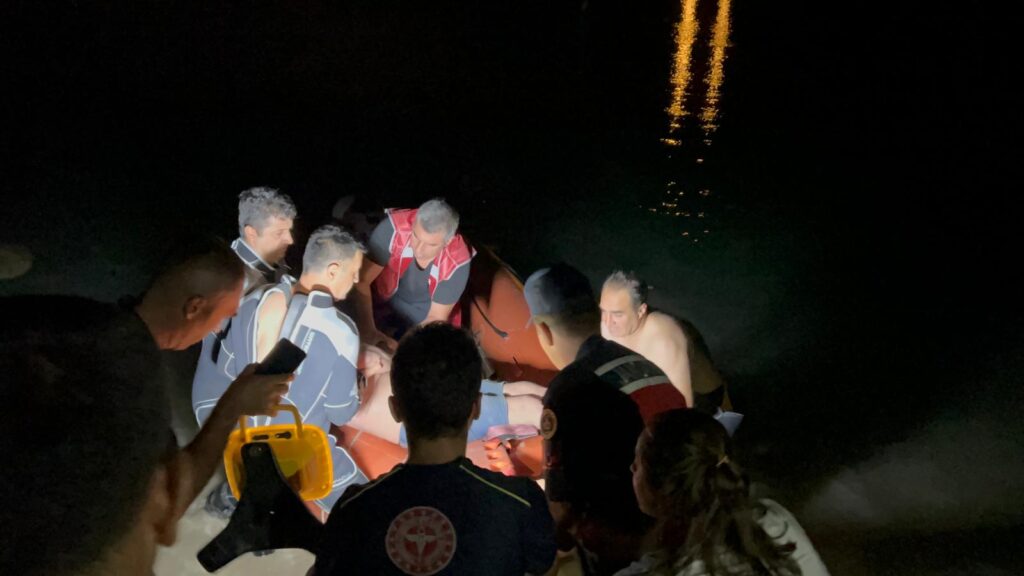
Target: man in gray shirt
(416,272)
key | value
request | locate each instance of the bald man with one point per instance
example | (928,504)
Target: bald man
(194,293)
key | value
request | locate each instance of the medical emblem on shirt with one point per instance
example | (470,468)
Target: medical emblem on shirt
(421,541)
(548,424)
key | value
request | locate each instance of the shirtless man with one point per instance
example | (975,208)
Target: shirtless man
(674,346)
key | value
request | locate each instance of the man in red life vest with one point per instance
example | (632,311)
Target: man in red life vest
(416,270)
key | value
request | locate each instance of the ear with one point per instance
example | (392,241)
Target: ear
(333,269)
(545,335)
(396,409)
(250,234)
(193,307)
(642,310)
(475,413)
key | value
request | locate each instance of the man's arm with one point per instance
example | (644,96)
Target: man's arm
(377,256)
(437,313)
(249,394)
(446,296)
(363,297)
(363,300)
(268,324)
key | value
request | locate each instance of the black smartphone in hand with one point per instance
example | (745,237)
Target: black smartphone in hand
(284,358)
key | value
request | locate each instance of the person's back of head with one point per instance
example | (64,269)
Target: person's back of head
(593,428)
(201,264)
(332,259)
(561,299)
(686,477)
(86,438)
(198,286)
(435,379)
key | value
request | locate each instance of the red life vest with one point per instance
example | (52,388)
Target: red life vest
(453,256)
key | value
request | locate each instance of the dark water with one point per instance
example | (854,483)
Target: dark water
(826,191)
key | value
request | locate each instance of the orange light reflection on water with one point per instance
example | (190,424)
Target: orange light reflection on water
(716,67)
(686,33)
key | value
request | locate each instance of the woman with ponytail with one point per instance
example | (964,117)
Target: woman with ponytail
(706,524)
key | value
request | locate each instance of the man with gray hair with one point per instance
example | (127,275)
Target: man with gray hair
(674,345)
(324,389)
(418,267)
(265,218)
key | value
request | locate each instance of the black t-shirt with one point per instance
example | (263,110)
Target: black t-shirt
(453,518)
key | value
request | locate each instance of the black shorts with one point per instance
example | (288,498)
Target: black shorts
(709,403)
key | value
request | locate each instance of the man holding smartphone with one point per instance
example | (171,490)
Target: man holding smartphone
(196,291)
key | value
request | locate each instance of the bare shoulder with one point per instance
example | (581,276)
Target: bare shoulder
(275,302)
(665,328)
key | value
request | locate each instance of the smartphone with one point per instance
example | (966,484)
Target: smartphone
(284,358)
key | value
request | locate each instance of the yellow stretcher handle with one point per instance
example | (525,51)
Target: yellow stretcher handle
(286,407)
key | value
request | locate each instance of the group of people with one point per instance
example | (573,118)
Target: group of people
(639,478)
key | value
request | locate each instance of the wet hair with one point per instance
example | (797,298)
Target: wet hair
(703,499)
(435,376)
(256,206)
(328,244)
(203,266)
(436,215)
(87,425)
(629,282)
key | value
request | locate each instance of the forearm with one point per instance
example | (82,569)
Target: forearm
(438,313)
(363,301)
(205,453)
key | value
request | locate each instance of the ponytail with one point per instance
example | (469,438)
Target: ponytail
(704,500)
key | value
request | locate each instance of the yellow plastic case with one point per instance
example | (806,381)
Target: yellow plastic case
(302,454)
